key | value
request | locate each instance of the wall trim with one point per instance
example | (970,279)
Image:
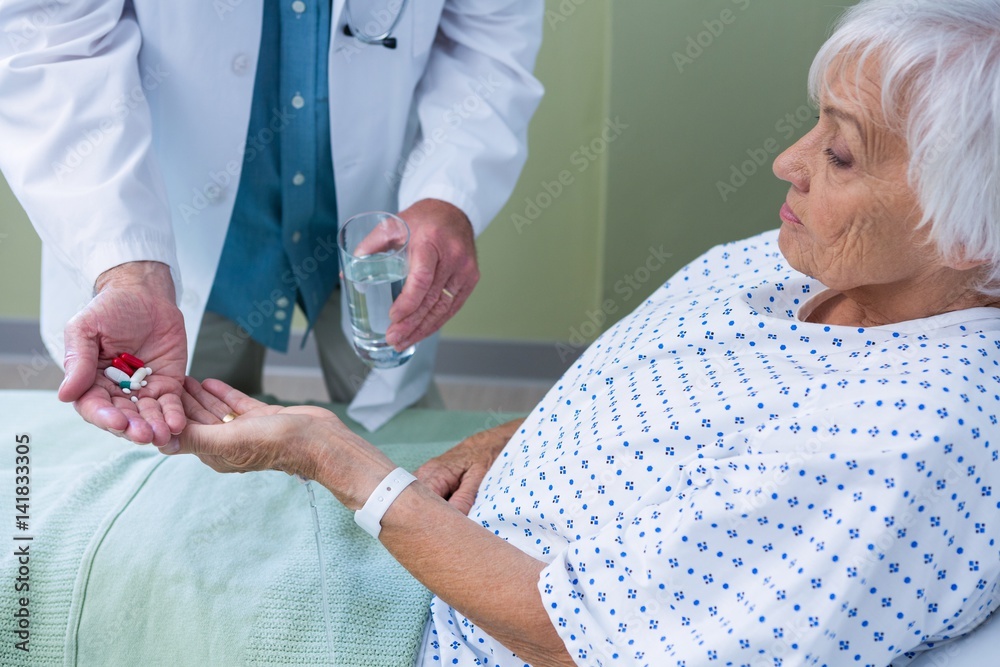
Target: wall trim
(513,360)
(21,338)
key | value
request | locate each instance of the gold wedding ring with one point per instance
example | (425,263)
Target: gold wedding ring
(229,417)
(447,294)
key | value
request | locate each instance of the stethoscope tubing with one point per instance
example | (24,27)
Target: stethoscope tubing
(362,36)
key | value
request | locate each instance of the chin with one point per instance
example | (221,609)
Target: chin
(790,250)
(787,245)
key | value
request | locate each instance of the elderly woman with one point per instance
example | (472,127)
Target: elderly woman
(787,452)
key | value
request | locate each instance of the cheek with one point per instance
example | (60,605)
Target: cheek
(840,209)
(827,216)
(828,244)
(886,216)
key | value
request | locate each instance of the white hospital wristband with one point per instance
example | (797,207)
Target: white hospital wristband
(370,516)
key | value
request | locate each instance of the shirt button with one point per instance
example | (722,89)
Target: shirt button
(241,63)
(278,327)
(298,6)
(296,237)
(280,314)
(298,101)
(299,178)
(282,302)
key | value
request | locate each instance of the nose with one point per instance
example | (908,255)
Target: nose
(792,166)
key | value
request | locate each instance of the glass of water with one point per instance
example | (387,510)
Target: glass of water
(373,259)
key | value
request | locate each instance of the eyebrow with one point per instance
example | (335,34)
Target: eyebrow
(844,116)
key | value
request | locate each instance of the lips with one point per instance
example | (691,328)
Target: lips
(788,216)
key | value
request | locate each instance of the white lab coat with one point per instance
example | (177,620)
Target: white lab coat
(123,125)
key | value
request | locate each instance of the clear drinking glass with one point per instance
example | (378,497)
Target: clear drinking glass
(373,259)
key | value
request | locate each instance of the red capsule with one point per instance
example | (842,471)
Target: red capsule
(122,366)
(134,362)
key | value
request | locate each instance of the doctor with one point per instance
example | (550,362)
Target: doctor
(162,179)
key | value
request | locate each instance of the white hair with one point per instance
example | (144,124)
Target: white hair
(939,62)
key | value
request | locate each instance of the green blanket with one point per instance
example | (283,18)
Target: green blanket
(140,559)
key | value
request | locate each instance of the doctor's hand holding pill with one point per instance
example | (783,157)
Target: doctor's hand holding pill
(133,311)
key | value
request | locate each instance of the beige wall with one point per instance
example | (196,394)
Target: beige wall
(679,118)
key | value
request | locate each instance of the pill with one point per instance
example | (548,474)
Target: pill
(135,400)
(116,375)
(122,365)
(125,384)
(134,362)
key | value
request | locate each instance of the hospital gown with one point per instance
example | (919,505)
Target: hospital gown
(717,481)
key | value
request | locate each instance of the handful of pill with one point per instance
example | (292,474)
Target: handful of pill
(128,372)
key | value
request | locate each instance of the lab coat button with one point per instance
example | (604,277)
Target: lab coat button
(190,298)
(282,302)
(298,101)
(298,6)
(299,178)
(241,63)
(280,314)
(215,194)
(296,237)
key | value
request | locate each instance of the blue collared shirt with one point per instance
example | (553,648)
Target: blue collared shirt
(281,247)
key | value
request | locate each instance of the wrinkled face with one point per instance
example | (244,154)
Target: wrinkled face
(850,218)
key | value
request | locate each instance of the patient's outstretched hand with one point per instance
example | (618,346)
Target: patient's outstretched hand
(262,437)
(457,474)
(298,439)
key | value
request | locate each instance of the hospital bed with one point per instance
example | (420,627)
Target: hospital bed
(234,575)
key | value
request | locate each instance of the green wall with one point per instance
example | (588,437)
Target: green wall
(20,258)
(706,87)
(562,256)
(542,269)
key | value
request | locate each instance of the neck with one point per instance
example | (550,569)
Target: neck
(879,305)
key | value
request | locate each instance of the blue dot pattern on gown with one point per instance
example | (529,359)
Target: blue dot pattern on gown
(719,482)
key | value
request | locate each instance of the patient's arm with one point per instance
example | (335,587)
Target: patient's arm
(485,578)
(457,474)
(491,582)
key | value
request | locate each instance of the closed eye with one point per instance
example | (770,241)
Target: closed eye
(836,160)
